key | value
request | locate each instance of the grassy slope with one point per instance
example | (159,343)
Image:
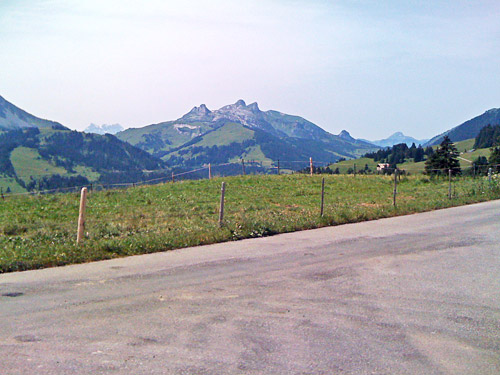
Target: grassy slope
(8,182)
(39,231)
(28,162)
(225,135)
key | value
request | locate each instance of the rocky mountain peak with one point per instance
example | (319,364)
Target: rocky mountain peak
(198,113)
(254,107)
(344,134)
(240,103)
(201,110)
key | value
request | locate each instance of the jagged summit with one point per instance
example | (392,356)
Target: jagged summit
(201,110)
(198,113)
(254,107)
(240,103)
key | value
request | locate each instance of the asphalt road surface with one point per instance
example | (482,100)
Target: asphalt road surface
(418,294)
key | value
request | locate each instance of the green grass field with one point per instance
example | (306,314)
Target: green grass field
(40,230)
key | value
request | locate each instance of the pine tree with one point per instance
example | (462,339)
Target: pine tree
(444,158)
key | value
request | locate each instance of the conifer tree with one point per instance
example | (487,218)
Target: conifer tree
(444,158)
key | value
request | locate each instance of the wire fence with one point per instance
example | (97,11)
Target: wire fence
(207,171)
(125,221)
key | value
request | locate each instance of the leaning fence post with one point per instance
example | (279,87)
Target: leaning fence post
(395,187)
(449,183)
(221,209)
(311,166)
(81,215)
(322,195)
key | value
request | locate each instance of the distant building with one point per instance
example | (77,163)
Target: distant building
(382,166)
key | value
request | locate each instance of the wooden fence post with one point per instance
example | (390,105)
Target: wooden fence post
(173,177)
(449,183)
(322,195)
(243,166)
(311,166)
(221,209)
(209,171)
(81,215)
(354,169)
(395,192)
(278,166)
(489,174)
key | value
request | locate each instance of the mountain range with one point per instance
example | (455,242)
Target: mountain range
(41,154)
(241,131)
(397,138)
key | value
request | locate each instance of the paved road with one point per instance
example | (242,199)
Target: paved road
(418,294)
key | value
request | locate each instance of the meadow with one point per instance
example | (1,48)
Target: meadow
(38,231)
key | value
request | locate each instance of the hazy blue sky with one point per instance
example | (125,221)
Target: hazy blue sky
(371,67)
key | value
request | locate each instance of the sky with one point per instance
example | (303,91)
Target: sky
(370,67)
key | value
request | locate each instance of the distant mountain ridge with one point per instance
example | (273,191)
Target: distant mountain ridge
(243,131)
(104,129)
(469,129)
(42,154)
(398,138)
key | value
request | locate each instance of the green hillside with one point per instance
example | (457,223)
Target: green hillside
(41,159)
(469,129)
(233,141)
